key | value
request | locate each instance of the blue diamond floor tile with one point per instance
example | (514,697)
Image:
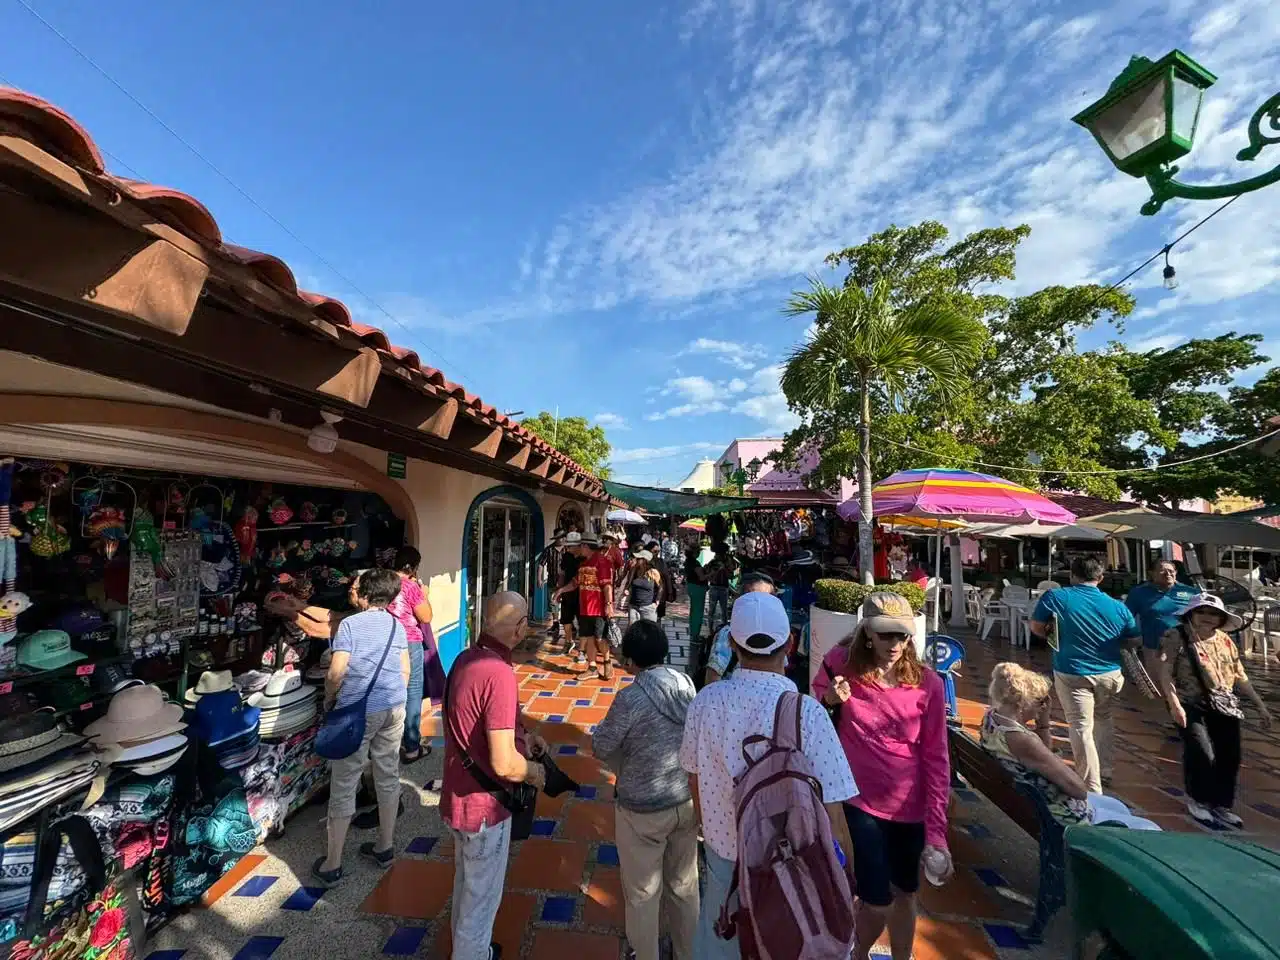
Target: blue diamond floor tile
(607,855)
(992,878)
(259,948)
(546,693)
(303,899)
(567,749)
(166,955)
(977,831)
(421,845)
(430,785)
(968,796)
(404,942)
(544,828)
(586,793)
(559,910)
(1006,938)
(582,703)
(255,886)
(1173,791)
(558,718)
(606,690)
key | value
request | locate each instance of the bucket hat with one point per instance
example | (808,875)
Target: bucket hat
(47,650)
(1232,622)
(135,713)
(30,738)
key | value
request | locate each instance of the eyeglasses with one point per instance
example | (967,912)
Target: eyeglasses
(894,637)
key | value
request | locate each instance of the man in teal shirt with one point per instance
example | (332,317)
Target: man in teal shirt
(1157,604)
(1092,630)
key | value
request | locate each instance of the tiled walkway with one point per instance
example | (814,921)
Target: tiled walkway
(562,898)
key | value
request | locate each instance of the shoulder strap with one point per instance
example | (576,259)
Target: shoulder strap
(786,721)
(487,783)
(383,659)
(1194,660)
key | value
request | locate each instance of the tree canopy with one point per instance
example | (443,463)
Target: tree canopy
(1033,399)
(575,437)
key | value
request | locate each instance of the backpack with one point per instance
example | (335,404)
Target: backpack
(795,900)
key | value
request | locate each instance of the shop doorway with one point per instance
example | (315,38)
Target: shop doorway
(501,543)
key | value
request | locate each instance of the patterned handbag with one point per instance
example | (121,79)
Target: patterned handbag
(90,927)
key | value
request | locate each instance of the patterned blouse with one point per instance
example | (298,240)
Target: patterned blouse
(1218,656)
(995,729)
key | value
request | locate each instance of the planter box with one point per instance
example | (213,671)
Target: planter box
(827,628)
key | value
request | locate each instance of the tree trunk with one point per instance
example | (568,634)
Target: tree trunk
(866,545)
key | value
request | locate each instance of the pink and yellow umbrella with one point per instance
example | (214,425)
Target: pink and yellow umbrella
(957,495)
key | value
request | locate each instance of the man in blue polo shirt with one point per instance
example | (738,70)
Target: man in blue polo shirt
(1092,630)
(1157,604)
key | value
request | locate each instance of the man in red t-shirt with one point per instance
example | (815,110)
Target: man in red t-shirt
(482,721)
(594,583)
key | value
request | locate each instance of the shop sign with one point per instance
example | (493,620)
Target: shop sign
(396,466)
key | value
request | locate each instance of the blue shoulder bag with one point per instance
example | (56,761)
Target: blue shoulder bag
(343,730)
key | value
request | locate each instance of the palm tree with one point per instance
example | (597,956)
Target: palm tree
(865,345)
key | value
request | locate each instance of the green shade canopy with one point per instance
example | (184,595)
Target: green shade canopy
(658,500)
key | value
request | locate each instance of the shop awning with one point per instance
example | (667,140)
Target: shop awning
(1206,528)
(673,502)
(1019,531)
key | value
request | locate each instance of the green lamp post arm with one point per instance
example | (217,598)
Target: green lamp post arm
(1164,187)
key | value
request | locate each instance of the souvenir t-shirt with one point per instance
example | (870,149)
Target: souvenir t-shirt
(1157,610)
(403,605)
(594,574)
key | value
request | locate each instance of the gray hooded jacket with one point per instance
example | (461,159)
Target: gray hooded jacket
(640,738)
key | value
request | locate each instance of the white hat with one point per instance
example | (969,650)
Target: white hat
(642,555)
(282,682)
(214,681)
(757,614)
(572,539)
(1232,624)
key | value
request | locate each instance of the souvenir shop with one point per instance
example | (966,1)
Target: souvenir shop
(163,657)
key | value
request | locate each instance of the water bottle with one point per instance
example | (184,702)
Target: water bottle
(935,866)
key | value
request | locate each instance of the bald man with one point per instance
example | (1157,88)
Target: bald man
(486,749)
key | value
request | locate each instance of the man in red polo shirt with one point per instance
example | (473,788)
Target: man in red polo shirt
(594,583)
(482,721)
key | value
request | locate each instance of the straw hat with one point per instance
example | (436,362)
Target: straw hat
(33,737)
(135,713)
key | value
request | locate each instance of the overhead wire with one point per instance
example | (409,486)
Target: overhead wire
(232,183)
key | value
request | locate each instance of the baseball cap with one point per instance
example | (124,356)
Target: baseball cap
(759,623)
(885,612)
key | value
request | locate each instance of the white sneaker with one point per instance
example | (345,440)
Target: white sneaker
(1200,813)
(1224,815)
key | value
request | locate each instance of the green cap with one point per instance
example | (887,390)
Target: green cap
(47,650)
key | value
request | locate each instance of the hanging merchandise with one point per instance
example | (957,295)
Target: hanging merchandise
(246,531)
(280,512)
(175,507)
(308,512)
(48,538)
(164,603)
(220,568)
(145,537)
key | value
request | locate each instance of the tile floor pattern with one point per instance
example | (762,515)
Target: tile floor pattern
(562,892)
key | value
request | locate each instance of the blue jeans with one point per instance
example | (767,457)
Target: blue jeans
(717,596)
(413,701)
(719,878)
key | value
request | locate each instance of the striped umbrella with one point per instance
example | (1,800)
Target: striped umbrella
(697,523)
(957,495)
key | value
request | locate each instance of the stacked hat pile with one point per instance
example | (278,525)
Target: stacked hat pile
(224,722)
(146,728)
(40,763)
(288,707)
(317,672)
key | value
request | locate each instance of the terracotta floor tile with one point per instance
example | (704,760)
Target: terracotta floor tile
(545,864)
(943,940)
(548,706)
(539,685)
(567,945)
(966,896)
(587,820)
(412,888)
(605,906)
(558,733)
(247,864)
(1170,821)
(514,917)
(586,770)
(1149,800)
(551,806)
(587,715)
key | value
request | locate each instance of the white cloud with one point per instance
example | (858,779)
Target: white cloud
(610,421)
(1162,341)
(647,454)
(744,356)
(758,396)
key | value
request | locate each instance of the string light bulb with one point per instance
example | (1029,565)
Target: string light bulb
(1170,274)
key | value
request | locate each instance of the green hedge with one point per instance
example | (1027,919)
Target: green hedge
(845,596)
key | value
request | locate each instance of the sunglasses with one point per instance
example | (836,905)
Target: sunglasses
(894,637)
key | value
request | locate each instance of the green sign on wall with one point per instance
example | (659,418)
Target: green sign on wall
(396,466)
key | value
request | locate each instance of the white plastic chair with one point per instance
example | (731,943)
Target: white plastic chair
(972,604)
(993,613)
(1046,585)
(931,592)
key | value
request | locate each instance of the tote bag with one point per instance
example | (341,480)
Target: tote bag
(94,925)
(343,730)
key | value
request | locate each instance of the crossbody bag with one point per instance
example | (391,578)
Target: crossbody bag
(343,729)
(1224,702)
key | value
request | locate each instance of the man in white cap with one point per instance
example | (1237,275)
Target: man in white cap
(726,713)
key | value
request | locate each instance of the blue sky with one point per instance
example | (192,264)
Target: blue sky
(601,206)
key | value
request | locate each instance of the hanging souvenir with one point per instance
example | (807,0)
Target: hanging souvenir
(307,513)
(12,604)
(280,512)
(145,537)
(339,517)
(175,507)
(277,558)
(337,547)
(86,493)
(48,538)
(307,551)
(220,568)
(55,478)
(246,530)
(108,526)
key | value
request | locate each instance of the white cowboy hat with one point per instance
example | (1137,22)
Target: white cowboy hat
(271,704)
(1231,624)
(282,682)
(642,555)
(214,681)
(572,539)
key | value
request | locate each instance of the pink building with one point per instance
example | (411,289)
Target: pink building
(774,486)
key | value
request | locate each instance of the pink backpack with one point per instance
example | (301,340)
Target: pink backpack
(795,901)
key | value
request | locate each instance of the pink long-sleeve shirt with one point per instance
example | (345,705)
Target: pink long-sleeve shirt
(896,742)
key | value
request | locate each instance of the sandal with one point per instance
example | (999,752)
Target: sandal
(383,858)
(327,877)
(421,753)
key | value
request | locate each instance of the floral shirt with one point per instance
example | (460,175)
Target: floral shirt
(995,729)
(1218,657)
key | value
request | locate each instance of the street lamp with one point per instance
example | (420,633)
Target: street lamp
(1148,119)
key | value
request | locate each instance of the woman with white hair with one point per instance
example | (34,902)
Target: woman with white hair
(1200,675)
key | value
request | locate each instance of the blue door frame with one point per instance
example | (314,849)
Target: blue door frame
(455,640)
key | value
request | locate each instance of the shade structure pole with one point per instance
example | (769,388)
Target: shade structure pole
(937,586)
(957,582)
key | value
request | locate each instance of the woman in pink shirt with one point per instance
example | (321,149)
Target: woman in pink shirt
(413,610)
(891,716)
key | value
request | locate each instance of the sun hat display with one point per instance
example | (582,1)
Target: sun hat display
(47,650)
(135,713)
(27,739)
(759,615)
(282,682)
(1231,623)
(212,681)
(151,749)
(299,694)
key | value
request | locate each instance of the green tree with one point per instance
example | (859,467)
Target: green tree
(575,437)
(868,346)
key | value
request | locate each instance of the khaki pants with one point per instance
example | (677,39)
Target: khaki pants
(658,853)
(381,748)
(1087,701)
